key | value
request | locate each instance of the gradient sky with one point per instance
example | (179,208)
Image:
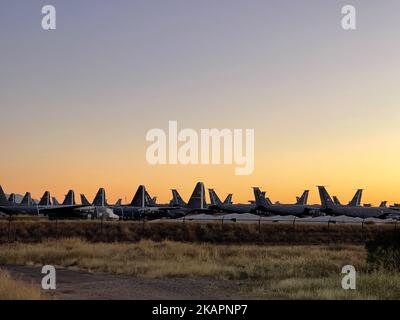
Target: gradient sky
(76,103)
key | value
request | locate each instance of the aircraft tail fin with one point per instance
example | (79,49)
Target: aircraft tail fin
(84,200)
(149,200)
(198,198)
(119,202)
(177,199)
(45,200)
(356,201)
(336,201)
(214,199)
(326,201)
(139,200)
(3,197)
(27,200)
(269,202)
(261,201)
(69,199)
(304,197)
(100,198)
(174,200)
(228,199)
(263,193)
(55,201)
(383,204)
(12,198)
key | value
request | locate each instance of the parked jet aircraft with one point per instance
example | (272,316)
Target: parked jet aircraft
(196,204)
(12,198)
(329,207)
(140,207)
(99,208)
(298,210)
(27,199)
(152,202)
(228,199)
(215,200)
(45,200)
(355,202)
(55,201)
(99,201)
(177,200)
(69,199)
(143,206)
(336,201)
(217,205)
(302,200)
(84,200)
(53,212)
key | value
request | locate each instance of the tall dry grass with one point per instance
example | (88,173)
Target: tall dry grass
(176,259)
(11,289)
(254,271)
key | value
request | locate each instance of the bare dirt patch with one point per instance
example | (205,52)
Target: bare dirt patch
(78,285)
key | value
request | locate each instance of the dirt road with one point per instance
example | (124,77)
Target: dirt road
(77,285)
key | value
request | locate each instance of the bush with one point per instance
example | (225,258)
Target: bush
(384,251)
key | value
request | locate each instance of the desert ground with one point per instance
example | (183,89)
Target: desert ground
(166,269)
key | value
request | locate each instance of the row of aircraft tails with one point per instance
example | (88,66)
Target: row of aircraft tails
(143,206)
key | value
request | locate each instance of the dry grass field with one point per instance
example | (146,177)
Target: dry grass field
(265,271)
(12,289)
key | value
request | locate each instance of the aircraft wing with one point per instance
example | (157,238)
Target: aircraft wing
(63,209)
(10,210)
(72,211)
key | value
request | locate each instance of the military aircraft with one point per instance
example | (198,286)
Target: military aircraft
(67,210)
(329,207)
(55,201)
(142,206)
(355,202)
(99,207)
(12,198)
(383,204)
(302,200)
(27,200)
(99,200)
(298,210)
(228,199)
(177,200)
(45,200)
(218,206)
(196,204)
(215,200)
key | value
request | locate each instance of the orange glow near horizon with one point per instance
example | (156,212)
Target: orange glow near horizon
(282,168)
(283,176)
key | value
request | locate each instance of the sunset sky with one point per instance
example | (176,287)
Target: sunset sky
(76,103)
